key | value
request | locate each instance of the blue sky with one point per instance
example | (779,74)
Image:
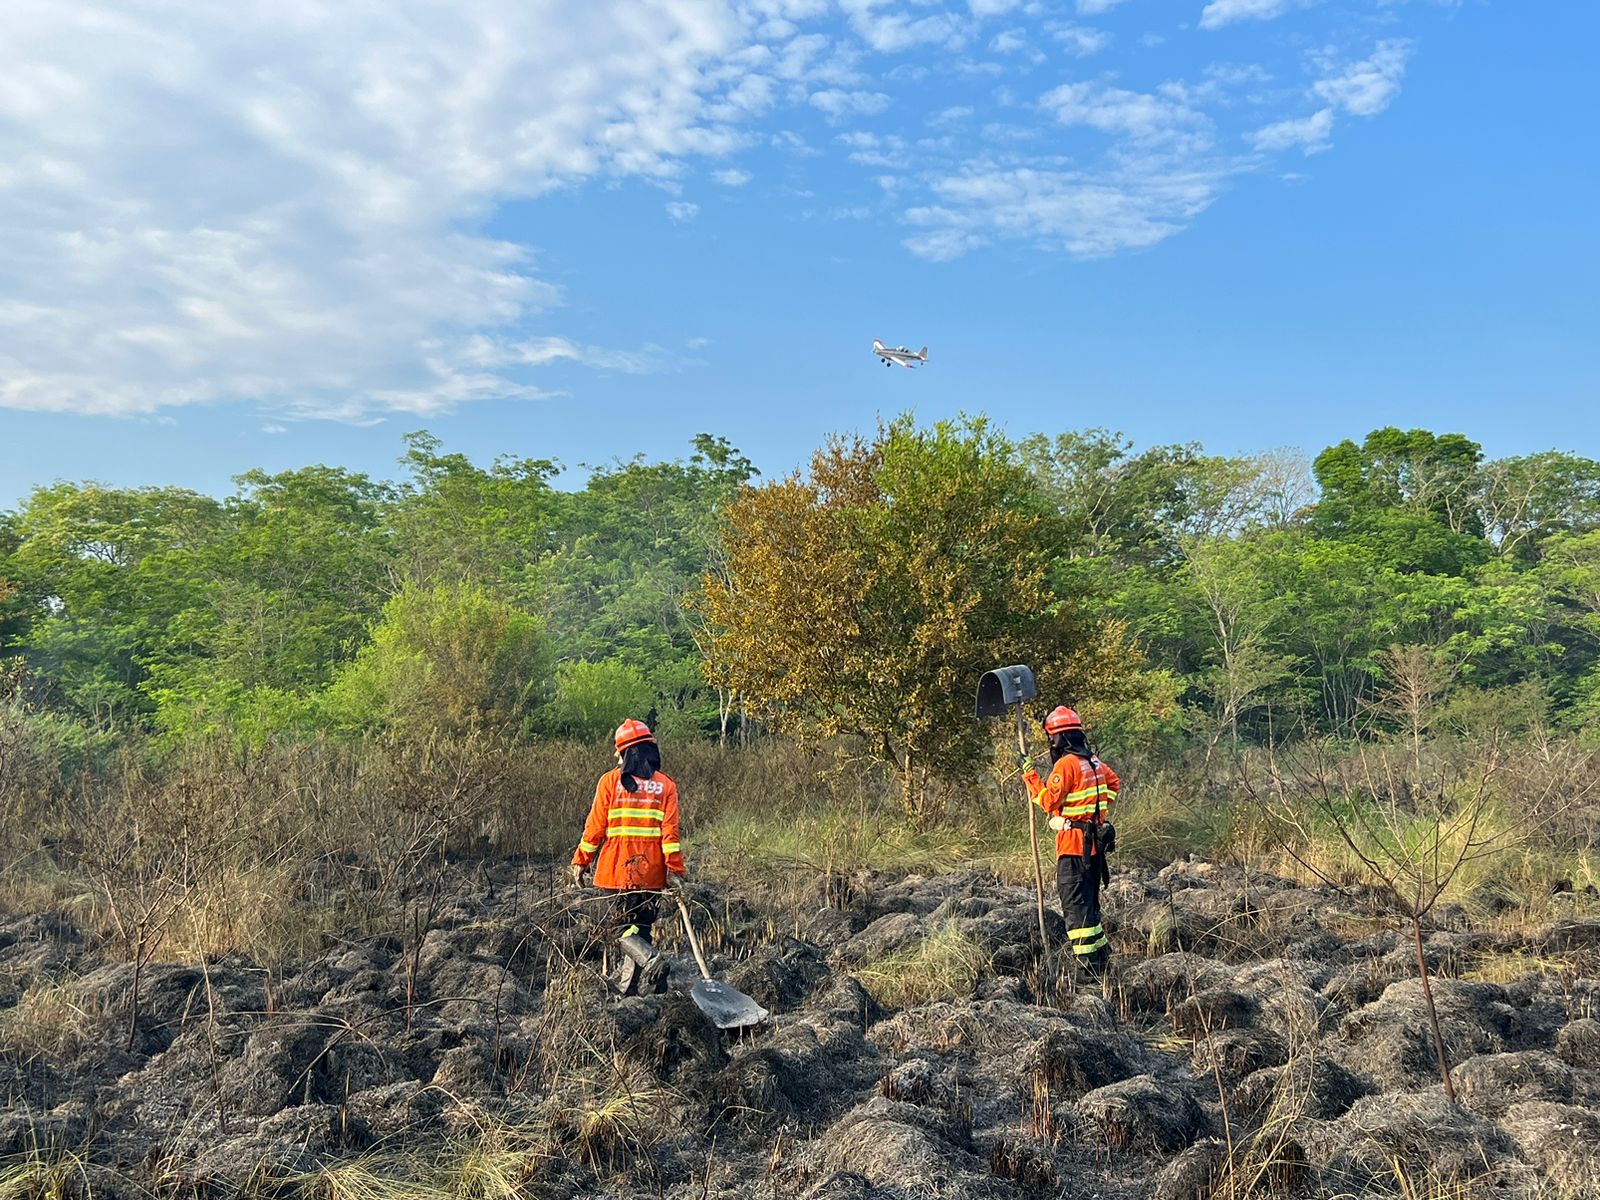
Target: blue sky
(253,235)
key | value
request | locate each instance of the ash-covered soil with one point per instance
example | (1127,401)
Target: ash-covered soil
(1255,1034)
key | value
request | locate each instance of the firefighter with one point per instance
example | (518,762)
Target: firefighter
(633,825)
(1079,793)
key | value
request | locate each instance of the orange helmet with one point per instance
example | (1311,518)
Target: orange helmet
(1061,720)
(631,733)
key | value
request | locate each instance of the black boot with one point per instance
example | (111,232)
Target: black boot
(653,976)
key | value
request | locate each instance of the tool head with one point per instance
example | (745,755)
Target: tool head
(728,1007)
(1002,687)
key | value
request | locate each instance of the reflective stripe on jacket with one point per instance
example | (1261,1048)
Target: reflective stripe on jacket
(1076,785)
(635,833)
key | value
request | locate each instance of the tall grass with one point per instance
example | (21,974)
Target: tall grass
(56,1018)
(208,846)
(45,1175)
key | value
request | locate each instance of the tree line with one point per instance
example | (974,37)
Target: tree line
(1207,600)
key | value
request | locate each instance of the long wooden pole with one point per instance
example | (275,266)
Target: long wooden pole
(1033,843)
(694,942)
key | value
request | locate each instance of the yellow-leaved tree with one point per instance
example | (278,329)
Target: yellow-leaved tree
(867,596)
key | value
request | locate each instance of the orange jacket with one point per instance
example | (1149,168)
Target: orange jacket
(635,832)
(1075,787)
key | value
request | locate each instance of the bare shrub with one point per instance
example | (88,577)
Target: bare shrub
(1413,839)
(155,842)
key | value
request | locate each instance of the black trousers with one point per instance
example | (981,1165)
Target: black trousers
(634,912)
(1078,882)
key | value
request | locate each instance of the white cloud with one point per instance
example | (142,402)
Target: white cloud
(1158,173)
(1225,12)
(1309,133)
(870,150)
(945,244)
(1365,88)
(1137,115)
(287,204)
(893,32)
(1080,40)
(495,354)
(1237,74)
(274,429)
(1009,41)
(839,104)
(1087,215)
(284,203)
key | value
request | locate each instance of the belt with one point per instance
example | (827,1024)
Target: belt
(1091,843)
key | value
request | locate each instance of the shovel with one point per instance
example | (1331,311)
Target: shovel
(728,1007)
(1008,687)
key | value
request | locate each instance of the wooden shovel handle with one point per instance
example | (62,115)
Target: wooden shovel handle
(694,942)
(1033,846)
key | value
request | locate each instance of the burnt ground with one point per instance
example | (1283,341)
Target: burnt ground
(1257,1033)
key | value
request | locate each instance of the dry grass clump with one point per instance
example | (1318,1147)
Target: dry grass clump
(1507,966)
(268,911)
(611,1120)
(577,1100)
(1428,1185)
(365,1179)
(35,883)
(946,965)
(495,1160)
(53,1019)
(41,1174)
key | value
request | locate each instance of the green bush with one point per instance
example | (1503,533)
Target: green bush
(446,659)
(593,698)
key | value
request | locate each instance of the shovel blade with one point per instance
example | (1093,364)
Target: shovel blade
(728,1007)
(1002,687)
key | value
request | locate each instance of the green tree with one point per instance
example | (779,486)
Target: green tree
(1411,495)
(867,597)
(1138,509)
(277,600)
(633,547)
(1235,584)
(103,578)
(443,659)
(1569,576)
(1529,499)
(457,521)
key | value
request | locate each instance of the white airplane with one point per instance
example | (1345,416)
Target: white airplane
(899,355)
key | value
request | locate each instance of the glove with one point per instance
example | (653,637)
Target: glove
(1058,823)
(1024,763)
(575,873)
(673,885)
(1108,836)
